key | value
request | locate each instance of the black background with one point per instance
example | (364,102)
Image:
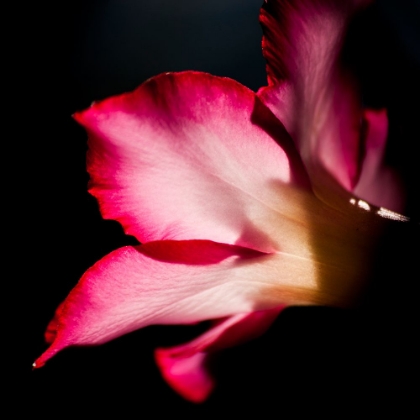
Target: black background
(316,359)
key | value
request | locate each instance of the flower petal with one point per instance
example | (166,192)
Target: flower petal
(185,367)
(181,282)
(302,38)
(309,90)
(378,184)
(186,156)
(188,376)
(165,282)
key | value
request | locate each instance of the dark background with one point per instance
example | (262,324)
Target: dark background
(312,358)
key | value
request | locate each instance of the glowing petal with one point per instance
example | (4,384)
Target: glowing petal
(177,282)
(188,156)
(165,282)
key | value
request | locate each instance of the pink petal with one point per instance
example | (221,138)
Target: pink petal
(167,282)
(182,282)
(187,375)
(185,367)
(188,155)
(378,184)
(301,36)
(309,91)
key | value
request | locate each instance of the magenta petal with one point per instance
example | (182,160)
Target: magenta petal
(185,367)
(309,91)
(156,283)
(186,375)
(303,37)
(184,157)
(378,184)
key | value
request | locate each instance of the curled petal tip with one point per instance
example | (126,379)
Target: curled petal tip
(186,375)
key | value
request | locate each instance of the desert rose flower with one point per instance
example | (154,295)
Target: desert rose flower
(243,203)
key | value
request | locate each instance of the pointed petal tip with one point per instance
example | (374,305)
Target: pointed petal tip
(39,363)
(47,355)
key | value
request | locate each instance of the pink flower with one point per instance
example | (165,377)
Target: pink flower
(244,203)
